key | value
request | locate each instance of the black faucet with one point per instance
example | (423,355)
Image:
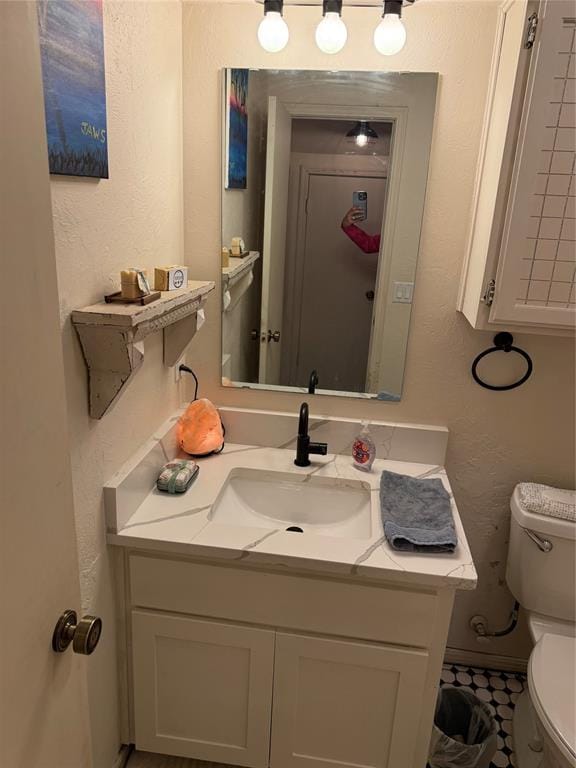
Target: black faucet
(313,382)
(303,445)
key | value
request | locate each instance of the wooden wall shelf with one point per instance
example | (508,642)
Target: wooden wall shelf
(111,336)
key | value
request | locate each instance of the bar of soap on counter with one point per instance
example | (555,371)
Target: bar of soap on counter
(225,257)
(177,476)
(134,283)
(170,278)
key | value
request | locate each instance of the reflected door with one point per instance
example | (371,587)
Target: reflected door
(338,282)
(279,136)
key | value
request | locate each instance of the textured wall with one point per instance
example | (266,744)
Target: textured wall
(133,218)
(497,439)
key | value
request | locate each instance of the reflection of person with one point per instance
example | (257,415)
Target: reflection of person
(367,243)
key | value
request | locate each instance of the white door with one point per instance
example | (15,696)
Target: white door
(43,697)
(345,704)
(202,689)
(274,241)
(536,284)
(338,283)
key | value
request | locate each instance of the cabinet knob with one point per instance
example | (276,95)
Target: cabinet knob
(84,634)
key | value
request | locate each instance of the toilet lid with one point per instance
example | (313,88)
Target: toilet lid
(552,683)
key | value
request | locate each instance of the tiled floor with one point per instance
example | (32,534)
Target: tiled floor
(500,691)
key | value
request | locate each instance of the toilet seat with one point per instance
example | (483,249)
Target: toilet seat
(551,675)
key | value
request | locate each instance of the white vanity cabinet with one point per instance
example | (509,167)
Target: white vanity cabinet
(519,266)
(259,667)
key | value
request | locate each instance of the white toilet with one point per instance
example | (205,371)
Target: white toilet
(541,574)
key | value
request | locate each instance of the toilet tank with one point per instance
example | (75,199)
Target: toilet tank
(542,581)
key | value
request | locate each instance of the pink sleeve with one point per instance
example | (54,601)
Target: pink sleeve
(367,243)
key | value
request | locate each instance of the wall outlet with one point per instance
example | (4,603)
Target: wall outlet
(403,293)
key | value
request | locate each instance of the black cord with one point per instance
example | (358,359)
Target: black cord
(184,369)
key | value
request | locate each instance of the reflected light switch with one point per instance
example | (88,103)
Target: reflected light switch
(403,293)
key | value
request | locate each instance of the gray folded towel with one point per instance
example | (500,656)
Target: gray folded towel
(416,514)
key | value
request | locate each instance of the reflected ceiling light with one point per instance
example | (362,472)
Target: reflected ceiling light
(390,34)
(273,31)
(331,32)
(362,132)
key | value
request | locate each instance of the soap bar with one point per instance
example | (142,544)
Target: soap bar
(170,278)
(177,476)
(237,247)
(134,283)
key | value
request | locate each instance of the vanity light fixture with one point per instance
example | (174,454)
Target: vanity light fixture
(390,34)
(273,31)
(331,32)
(362,132)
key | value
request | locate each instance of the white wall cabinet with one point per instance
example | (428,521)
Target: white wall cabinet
(519,270)
(262,668)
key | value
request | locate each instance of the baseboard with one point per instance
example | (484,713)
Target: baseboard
(123,755)
(484,660)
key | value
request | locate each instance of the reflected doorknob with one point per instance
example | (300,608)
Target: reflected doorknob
(273,336)
(84,634)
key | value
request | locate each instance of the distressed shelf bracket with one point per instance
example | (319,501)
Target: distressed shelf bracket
(112,335)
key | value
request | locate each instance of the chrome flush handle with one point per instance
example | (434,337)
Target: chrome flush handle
(543,544)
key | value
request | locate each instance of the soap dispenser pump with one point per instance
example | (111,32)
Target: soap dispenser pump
(363,449)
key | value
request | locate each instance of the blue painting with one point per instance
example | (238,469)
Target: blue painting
(72,51)
(237,128)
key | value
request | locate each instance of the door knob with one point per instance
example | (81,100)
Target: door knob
(84,634)
(370,295)
(254,334)
(273,336)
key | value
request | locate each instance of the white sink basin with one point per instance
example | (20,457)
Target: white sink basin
(319,505)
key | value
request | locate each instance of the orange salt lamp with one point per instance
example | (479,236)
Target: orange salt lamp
(200,430)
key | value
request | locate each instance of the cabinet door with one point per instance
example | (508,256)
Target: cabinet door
(535,284)
(202,689)
(344,703)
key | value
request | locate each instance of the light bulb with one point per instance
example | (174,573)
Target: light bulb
(331,33)
(361,140)
(390,35)
(273,32)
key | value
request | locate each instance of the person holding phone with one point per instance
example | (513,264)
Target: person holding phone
(359,212)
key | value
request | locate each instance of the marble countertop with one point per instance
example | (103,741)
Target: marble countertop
(182,524)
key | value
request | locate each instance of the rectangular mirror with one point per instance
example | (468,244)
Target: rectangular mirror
(324,180)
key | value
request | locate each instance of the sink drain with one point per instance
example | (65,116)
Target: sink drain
(295,529)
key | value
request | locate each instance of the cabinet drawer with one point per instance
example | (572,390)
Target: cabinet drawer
(381,613)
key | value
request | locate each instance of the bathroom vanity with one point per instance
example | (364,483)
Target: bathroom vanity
(249,644)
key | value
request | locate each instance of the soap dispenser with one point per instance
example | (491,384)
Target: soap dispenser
(363,449)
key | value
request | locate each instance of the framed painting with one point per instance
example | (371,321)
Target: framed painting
(236,128)
(72,53)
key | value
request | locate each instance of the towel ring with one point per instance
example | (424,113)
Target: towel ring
(503,342)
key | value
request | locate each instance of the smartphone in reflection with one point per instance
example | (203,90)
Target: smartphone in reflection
(360,200)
